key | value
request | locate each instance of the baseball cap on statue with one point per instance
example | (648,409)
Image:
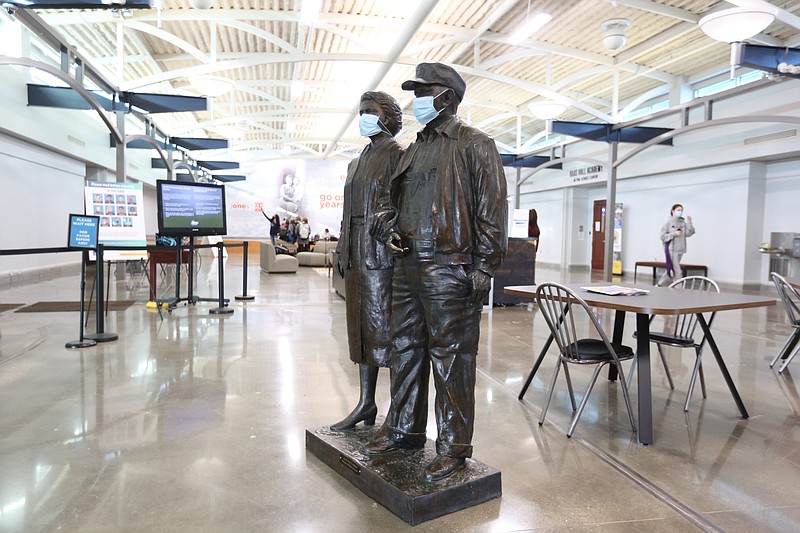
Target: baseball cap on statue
(438,74)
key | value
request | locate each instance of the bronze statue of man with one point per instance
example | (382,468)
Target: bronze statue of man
(365,263)
(445,214)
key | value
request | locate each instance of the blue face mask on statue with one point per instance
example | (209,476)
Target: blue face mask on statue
(679,213)
(424,109)
(369,125)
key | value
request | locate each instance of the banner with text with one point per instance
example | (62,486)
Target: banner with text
(294,188)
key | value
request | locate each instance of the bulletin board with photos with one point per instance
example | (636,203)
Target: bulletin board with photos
(119,207)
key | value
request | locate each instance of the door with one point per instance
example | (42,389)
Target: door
(599,235)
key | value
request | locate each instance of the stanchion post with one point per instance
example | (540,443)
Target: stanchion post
(82,342)
(221,310)
(101,304)
(100,335)
(190,297)
(178,257)
(244,295)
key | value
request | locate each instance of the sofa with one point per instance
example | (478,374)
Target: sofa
(322,254)
(274,263)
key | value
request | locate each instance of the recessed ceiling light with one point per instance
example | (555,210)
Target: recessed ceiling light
(547,109)
(736,24)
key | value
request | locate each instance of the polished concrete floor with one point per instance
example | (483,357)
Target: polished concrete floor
(197,422)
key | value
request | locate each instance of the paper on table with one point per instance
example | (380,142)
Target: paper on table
(616,290)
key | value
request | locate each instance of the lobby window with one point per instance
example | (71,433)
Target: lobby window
(738,81)
(649,110)
(545,143)
(10,36)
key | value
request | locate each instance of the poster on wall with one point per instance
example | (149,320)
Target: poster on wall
(294,188)
(120,208)
(616,264)
(519,224)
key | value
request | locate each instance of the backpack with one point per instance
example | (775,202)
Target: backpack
(166,240)
(305,231)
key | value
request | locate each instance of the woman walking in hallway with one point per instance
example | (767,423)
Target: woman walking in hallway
(673,235)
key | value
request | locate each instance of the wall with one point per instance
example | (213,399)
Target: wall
(150,209)
(735,202)
(33,216)
(310,189)
(736,183)
(781,211)
(716,199)
(733,208)
(79,134)
(549,207)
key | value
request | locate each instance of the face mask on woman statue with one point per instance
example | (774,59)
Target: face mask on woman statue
(370,125)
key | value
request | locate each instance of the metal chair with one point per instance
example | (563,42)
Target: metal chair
(681,335)
(559,306)
(790,298)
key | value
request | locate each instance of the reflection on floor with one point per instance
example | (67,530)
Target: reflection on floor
(196,422)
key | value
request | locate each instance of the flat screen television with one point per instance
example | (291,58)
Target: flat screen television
(191,209)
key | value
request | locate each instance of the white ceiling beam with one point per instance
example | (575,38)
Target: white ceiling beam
(589,57)
(517,54)
(410,29)
(134,36)
(489,104)
(467,35)
(270,98)
(658,9)
(261,15)
(261,34)
(346,34)
(459,38)
(266,116)
(540,46)
(432,44)
(261,59)
(768,40)
(685,56)
(500,117)
(534,88)
(321,140)
(655,41)
(501,145)
(493,17)
(250,61)
(533,140)
(569,81)
(170,38)
(639,100)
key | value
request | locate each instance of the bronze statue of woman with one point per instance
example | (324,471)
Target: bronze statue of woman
(365,263)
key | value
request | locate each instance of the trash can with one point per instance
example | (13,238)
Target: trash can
(779,264)
(784,250)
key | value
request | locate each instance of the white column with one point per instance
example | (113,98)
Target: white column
(752,274)
(576,221)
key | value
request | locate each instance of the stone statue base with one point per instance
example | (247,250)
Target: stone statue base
(395,480)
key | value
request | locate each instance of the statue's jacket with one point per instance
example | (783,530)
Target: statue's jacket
(376,164)
(470,209)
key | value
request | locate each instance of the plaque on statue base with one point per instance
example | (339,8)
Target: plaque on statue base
(395,479)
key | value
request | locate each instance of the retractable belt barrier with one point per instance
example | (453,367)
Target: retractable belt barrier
(191,298)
